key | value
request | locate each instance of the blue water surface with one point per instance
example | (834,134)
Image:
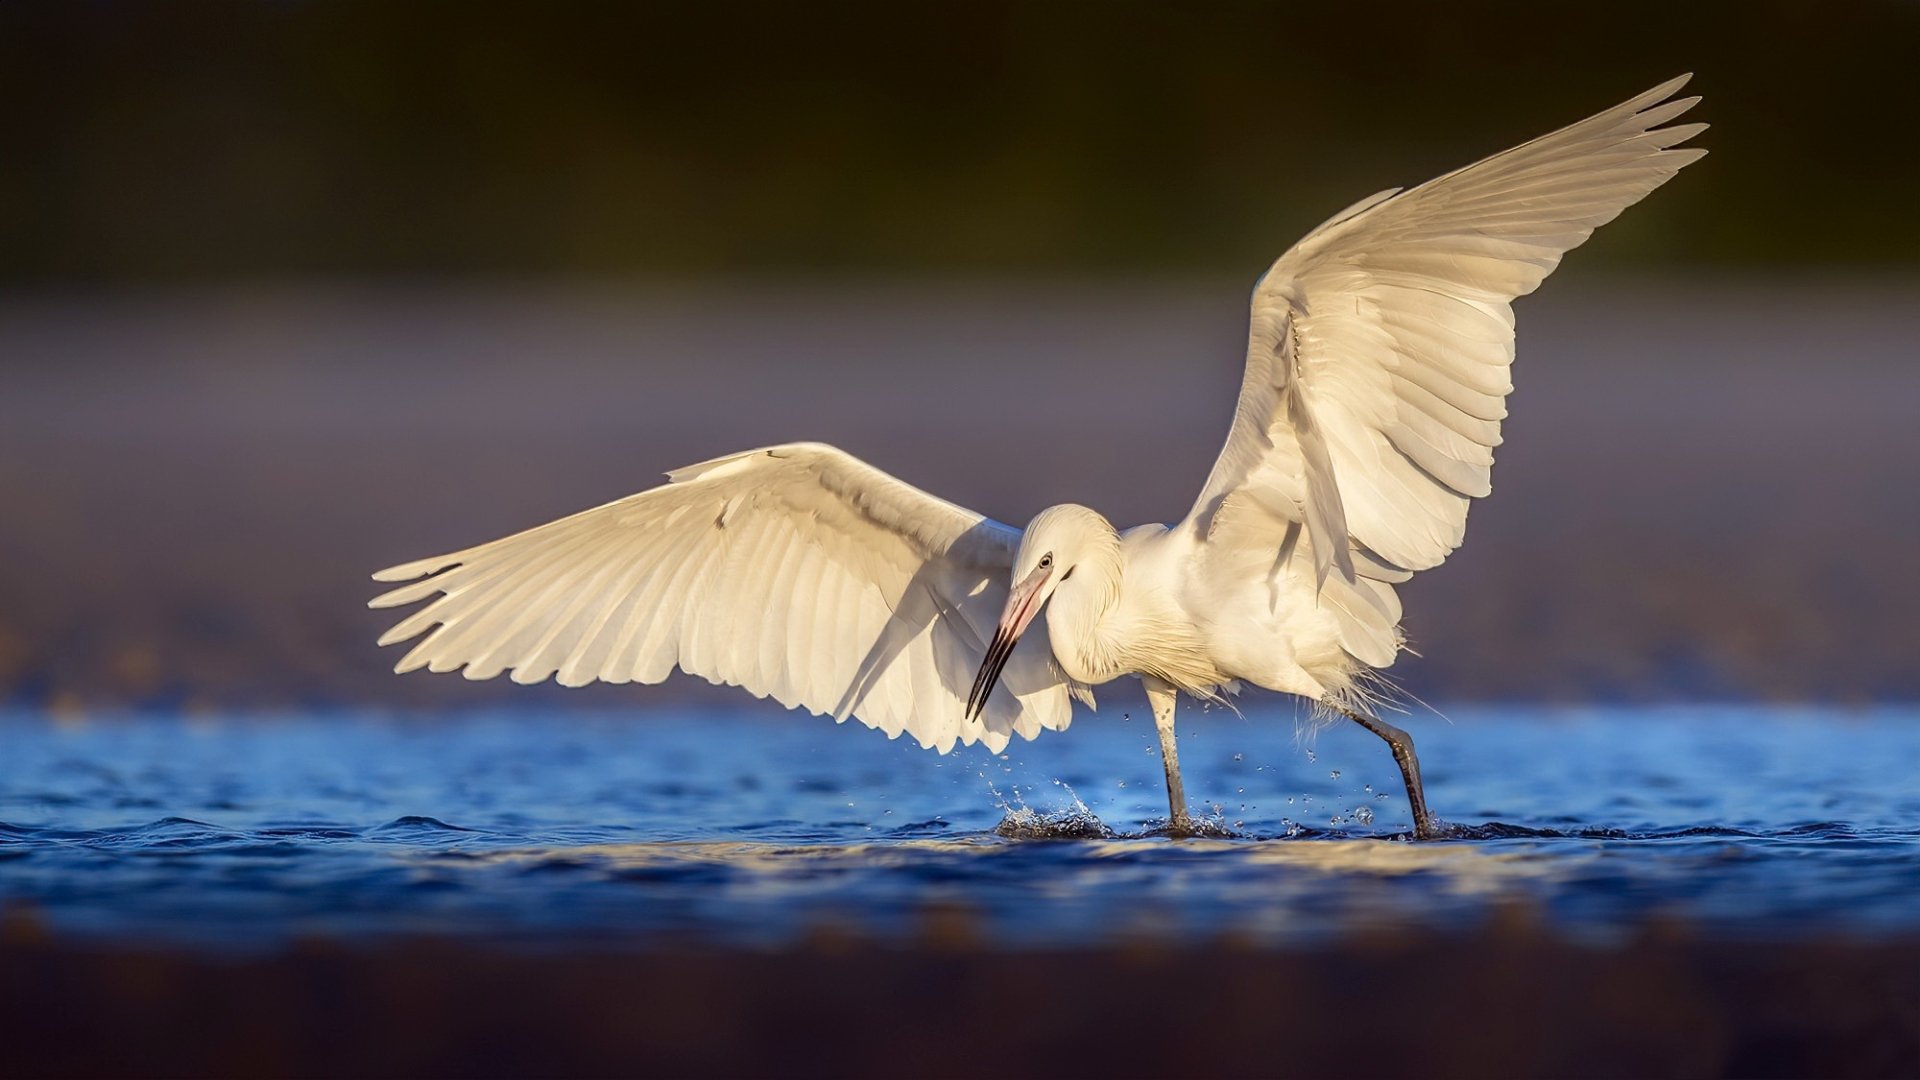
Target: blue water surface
(759,828)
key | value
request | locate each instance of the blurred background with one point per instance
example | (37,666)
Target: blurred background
(292,291)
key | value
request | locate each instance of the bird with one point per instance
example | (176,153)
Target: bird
(1378,366)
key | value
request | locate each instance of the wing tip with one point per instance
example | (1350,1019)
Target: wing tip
(1660,97)
(398,633)
(409,593)
(417,568)
(1663,91)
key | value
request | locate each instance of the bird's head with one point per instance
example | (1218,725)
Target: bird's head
(1059,541)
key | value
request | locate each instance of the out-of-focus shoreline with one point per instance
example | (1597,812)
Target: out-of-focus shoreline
(1509,1000)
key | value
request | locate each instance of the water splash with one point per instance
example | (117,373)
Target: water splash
(1212,826)
(1075,823)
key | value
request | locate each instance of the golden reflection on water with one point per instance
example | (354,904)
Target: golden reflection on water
(1465,868)
(1460,869)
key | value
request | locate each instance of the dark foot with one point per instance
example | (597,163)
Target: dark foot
(1425,827)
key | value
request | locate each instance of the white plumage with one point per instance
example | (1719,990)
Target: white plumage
(1378,359)
(797,572)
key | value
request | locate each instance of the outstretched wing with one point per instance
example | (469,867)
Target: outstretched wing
(1379,349)
(797,572)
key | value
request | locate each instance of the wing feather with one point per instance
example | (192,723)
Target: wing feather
(1380,352)
(797,572)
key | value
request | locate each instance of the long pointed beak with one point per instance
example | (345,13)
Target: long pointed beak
(1023,603)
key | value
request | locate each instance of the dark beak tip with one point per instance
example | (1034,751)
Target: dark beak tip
(996,659)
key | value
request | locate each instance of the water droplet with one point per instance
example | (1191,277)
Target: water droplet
(1335,774)
(1363,815)
(1239,757)
(1311,756)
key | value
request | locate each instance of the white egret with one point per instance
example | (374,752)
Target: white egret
(1377,372)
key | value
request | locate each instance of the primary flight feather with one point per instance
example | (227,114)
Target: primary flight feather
(1378,364)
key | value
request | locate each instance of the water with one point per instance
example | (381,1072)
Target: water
(762,828)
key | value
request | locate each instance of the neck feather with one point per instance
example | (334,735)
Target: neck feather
(1077,613)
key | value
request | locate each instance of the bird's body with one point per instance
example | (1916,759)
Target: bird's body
(1378,364)
(1167,605)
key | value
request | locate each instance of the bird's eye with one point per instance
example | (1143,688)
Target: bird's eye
(1046,560)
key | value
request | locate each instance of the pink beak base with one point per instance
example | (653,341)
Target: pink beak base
(1023,603)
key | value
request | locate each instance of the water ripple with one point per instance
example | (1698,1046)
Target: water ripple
(332,825)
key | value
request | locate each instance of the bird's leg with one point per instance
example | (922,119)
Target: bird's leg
(1403,755)
(1163,697)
